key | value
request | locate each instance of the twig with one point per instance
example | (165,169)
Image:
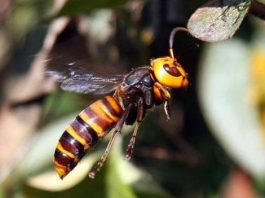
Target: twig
(257,9)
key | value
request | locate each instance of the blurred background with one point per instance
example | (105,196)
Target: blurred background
(214,144)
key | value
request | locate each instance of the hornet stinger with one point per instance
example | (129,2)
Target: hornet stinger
(127,98)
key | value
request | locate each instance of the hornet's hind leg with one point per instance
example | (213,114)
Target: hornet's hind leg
(139,119)
(117,131)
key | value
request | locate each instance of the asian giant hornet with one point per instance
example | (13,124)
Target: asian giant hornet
(128,98)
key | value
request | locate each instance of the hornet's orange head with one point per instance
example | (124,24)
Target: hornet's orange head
(170,73)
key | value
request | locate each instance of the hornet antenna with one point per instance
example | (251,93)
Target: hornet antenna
(171,38)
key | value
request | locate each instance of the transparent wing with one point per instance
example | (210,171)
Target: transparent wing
(80,81)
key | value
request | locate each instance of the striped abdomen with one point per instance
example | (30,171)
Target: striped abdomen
(91,124)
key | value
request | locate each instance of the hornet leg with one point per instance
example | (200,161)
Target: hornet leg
(117,131)
(165,96)
(166,109)
(139,119)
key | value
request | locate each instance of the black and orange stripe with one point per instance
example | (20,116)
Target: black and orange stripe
(91,124)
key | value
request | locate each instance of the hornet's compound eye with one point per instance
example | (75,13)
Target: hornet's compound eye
(172,70)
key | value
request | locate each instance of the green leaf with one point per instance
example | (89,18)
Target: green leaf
(218,20)
(125,180)
(225,96)
(116,187)
(73,7)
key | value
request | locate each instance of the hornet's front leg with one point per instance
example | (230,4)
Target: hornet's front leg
(167,110)
(163,95)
